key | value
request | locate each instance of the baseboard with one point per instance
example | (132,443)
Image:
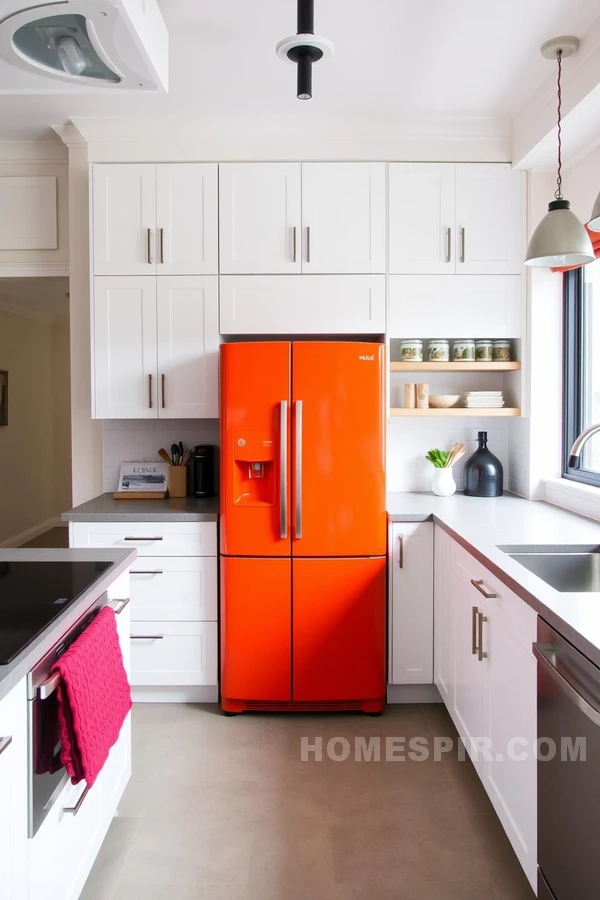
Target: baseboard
(31,533)
(413,693)
(168,694)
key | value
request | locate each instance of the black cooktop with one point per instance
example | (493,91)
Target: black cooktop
(33,594)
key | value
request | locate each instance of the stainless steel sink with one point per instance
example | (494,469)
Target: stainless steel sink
(567,568)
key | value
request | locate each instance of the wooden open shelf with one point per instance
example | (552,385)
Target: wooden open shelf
(455,366)
(458,411)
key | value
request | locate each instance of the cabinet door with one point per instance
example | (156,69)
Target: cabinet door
(343,217)
(411,610)
(443,643)
(186,219)
(260,218)
(13,794)
(489,219)
(421,218)
(125,348)
(188,347)
(124,219)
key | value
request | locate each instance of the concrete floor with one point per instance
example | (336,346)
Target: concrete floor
(224,809)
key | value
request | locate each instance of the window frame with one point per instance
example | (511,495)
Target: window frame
(573,375)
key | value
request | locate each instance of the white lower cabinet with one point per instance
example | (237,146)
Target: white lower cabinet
(13,794)
(411,606)
(443,647)
(174,653)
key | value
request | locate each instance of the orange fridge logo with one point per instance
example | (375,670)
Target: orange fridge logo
(367,357)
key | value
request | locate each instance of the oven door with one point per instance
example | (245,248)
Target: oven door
(569,782)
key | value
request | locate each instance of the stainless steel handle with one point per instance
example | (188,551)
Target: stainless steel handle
(47,687)
(298,473)
(400,551)
(161,238)
(142,538)
(163,381)
(462,245)
(478,584)
(149,244)
(283,469)
(294,243)
(546,655)
(474,615)
(119,605)
(4,743)
(149,391)
(146,572)
(308,243)
(73,810)
(481,653)
(146,637)
(448,245)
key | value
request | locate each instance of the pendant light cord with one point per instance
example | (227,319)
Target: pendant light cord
(558,192)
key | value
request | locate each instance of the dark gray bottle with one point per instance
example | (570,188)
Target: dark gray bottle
(483,472)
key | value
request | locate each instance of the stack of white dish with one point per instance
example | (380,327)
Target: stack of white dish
(482,399)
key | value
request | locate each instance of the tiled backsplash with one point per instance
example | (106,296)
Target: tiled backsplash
(125,440)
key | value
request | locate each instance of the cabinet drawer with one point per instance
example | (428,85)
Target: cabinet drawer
(173,653)
(177,589)
(150,538)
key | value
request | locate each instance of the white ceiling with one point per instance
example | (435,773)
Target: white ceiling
(395,60)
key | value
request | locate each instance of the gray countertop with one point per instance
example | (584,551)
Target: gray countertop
(481,525)
(106,509)
(11,674)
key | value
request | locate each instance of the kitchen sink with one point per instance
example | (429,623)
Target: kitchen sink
(568,568)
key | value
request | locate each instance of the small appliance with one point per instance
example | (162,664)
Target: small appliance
(204,471)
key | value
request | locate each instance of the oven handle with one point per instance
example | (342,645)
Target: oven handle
(542,652)
(73,810)
(48,687)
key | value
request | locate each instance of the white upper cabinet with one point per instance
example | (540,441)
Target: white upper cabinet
(421,218)
(186,219)
(464,218)
(343,218)
(188,347)
(125,348)
(154,219)
(124,219)
(260,218)
(489,219)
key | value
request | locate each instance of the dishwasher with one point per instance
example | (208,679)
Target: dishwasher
(568,781)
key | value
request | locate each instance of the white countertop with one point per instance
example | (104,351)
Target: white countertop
(481,524)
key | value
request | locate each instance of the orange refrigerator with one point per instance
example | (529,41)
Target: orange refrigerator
(303,526)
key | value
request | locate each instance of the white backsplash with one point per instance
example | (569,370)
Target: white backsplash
(127,440)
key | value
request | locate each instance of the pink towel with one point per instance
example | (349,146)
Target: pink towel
(94,698)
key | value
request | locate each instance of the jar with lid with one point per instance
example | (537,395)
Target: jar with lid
(501,351)
(463,351)
(438,350)
(411,351)
(483,351)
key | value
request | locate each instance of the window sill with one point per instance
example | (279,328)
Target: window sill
(583,499)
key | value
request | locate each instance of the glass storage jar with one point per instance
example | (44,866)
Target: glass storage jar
(411,351)
(501,351)
(483,351)
(438,350)
(463,351)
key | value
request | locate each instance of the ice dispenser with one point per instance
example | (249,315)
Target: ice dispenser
(254,477)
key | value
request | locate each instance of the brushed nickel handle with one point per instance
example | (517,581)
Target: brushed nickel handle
(149,391)
(478,584)
(48,687)
(298,487)
(147,637)
(149,244)
(462,245)
(157,538)
(73,810)
(448,245)
(161,238)
(146,572)
(474,614)
(481,653)
(283,469)
(163,380)
(294,242)
(400,551)
(308,243)
(119,605)
(4,743)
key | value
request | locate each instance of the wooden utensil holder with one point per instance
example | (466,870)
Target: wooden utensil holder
(177,481)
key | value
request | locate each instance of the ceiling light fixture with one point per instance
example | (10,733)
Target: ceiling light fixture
(594,223)
(305,48)
(560,239)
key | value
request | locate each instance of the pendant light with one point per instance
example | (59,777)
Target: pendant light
(305,48)
(594,223)
(560,239)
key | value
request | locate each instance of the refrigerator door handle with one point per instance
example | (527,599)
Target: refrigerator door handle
(298,474)
(283,469)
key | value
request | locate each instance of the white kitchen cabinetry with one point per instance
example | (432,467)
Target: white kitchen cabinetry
(13,794)
(299,304)
(411,608)
(155,347)
(260,218)
(443,647)
(464,218)
(155,219)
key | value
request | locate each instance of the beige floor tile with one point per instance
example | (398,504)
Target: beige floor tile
(104,876)
(395,886)
(206,802)
(181,892)
(134,801)
(156,713)
(473,797)
(505,870)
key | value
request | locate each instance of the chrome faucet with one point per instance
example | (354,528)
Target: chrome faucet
(580,443)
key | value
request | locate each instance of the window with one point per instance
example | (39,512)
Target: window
(582,369)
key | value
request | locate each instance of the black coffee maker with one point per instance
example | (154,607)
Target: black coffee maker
(204,471)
